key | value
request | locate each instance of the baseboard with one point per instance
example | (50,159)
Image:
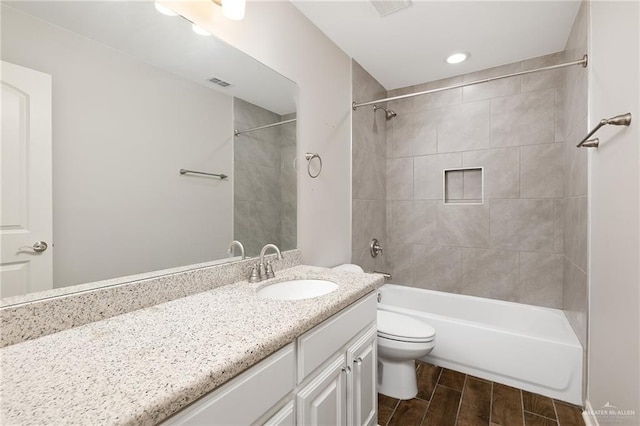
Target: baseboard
(588,415)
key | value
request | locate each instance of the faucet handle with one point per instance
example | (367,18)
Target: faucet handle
(253,275)
(269,271)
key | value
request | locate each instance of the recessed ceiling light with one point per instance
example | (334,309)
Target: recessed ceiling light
(165,10)
(456,58)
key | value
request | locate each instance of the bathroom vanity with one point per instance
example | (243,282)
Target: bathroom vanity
(221,356)
(327,376)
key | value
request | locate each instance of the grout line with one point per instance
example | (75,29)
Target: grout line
(474,150)
(555,411)
(522,405)
(424,415)
(541,416)
(491,404)
(431,396)
(450,388)
(464,385)
(519,286)
(437,383)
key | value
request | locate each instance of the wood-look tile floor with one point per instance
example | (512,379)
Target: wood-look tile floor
(447,397)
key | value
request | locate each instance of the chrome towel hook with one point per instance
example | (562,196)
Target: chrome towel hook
(310,156)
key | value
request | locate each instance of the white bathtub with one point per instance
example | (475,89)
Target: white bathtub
(523,346)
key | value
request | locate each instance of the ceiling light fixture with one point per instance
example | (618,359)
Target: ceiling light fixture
(165,10)
(233,9)
(456,58)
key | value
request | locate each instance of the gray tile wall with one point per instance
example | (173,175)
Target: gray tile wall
(264,180)
(510,247)
(574,205)
(369,173)
(528,241)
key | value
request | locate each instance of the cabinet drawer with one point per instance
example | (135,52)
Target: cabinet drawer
(284,417)
(247,397)
(322,341)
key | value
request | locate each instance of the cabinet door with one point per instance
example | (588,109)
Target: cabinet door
(362,395)
(323,402)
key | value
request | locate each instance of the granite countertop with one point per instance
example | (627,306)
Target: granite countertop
(143,366)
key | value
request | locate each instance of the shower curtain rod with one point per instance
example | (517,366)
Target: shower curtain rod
(280,123)
(582,62)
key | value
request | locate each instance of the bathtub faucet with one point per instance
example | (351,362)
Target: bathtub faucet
(386,275)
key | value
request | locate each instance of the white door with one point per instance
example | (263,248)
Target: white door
(26,265)
(323,402)
(363,395)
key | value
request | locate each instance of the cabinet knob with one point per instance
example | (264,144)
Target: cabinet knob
(346,369)
(357,361)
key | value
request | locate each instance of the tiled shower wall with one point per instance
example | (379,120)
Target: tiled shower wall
(264,180)
(528,241)
(575,284)
(368,173)
(510,246)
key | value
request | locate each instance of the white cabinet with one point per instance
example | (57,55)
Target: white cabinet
(324,400)
(361,387)
(247,397)
(284,417)
(335,382)
(342,389)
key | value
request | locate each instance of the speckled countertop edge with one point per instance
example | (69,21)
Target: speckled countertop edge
(37,318)
(143,366)
(72,290)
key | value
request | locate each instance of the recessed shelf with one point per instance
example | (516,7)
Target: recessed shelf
(463,185)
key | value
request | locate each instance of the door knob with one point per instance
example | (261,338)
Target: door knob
(38,247)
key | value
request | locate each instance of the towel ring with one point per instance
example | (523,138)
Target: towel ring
(310,156)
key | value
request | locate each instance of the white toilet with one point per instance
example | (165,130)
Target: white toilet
(401,340)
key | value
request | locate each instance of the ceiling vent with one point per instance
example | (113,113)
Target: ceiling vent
(387,7)
(219,82)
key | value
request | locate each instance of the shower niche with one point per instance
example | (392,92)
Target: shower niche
(463,185)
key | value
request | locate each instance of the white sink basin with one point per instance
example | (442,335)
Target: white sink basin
(297,289)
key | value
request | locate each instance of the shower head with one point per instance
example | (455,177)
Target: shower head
(387,112)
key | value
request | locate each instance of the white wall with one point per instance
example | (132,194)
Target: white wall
(614,315)
(278,35)
(121,131)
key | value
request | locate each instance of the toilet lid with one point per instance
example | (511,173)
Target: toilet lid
(403,327)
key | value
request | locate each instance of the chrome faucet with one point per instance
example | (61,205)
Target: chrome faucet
(264,272)
(239,244)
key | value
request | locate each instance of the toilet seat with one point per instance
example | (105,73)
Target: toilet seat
(403,328)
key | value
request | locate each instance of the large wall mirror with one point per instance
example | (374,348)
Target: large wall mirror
(134,97)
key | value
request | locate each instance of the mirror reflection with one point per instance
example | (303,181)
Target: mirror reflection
(133,97)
